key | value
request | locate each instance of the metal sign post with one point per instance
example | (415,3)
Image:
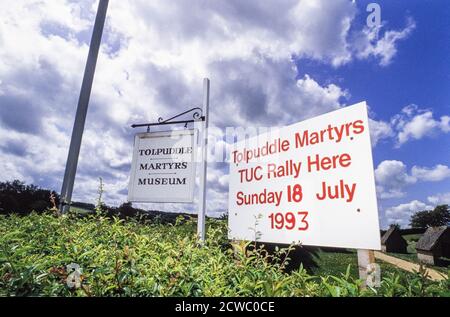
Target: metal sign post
(203,164)
(83,103)
(199,116)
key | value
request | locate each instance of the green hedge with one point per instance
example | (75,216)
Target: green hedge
(121,258)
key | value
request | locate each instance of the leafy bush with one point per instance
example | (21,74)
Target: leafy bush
(128,258)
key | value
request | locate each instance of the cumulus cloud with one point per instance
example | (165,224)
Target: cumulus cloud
(414,123)
(151,63)
(435,174)
(402,213)
(379,130)
(392,177)
(440,199)
(369,44)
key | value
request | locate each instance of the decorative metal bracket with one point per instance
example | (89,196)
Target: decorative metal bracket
(197,116)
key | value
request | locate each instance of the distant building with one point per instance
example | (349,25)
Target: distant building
(434,243)
(392,241)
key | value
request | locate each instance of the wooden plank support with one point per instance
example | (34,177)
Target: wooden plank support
(365,257)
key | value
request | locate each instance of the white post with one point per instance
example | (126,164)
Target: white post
(82,108)
(203,164)
(365,257)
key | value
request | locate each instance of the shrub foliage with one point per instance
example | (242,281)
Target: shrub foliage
(128,258)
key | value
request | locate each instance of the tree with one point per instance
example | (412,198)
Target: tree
(395,225)
(421,219)
(16,197)
(439,216)
(127,210)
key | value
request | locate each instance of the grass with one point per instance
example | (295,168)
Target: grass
(332,263)
(412,239)
(81,211)
(411,256)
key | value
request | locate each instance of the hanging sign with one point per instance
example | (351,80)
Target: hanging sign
(163,167)
(311,182)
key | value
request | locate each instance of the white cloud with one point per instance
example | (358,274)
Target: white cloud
(379,130)
(444,124)
(392,177)
(368,43)
(414,124)
(402,213)
(435,174)
(323,37)
(440,199)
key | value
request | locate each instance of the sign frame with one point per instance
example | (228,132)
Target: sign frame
(241,214)
(161,134)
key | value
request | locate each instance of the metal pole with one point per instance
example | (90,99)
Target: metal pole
(83,103)
(203,168)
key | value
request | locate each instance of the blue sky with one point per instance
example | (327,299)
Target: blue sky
(270,63)
(419,74)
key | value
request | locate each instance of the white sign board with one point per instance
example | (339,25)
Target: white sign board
(311,182)
(163,167)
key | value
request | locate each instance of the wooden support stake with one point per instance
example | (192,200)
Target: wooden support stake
(365,257)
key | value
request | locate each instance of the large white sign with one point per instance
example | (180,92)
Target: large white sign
(163,167)
(311,182)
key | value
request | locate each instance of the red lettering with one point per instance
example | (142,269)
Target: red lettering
(326,163)
(289,221)
(301,141)
(358,127)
